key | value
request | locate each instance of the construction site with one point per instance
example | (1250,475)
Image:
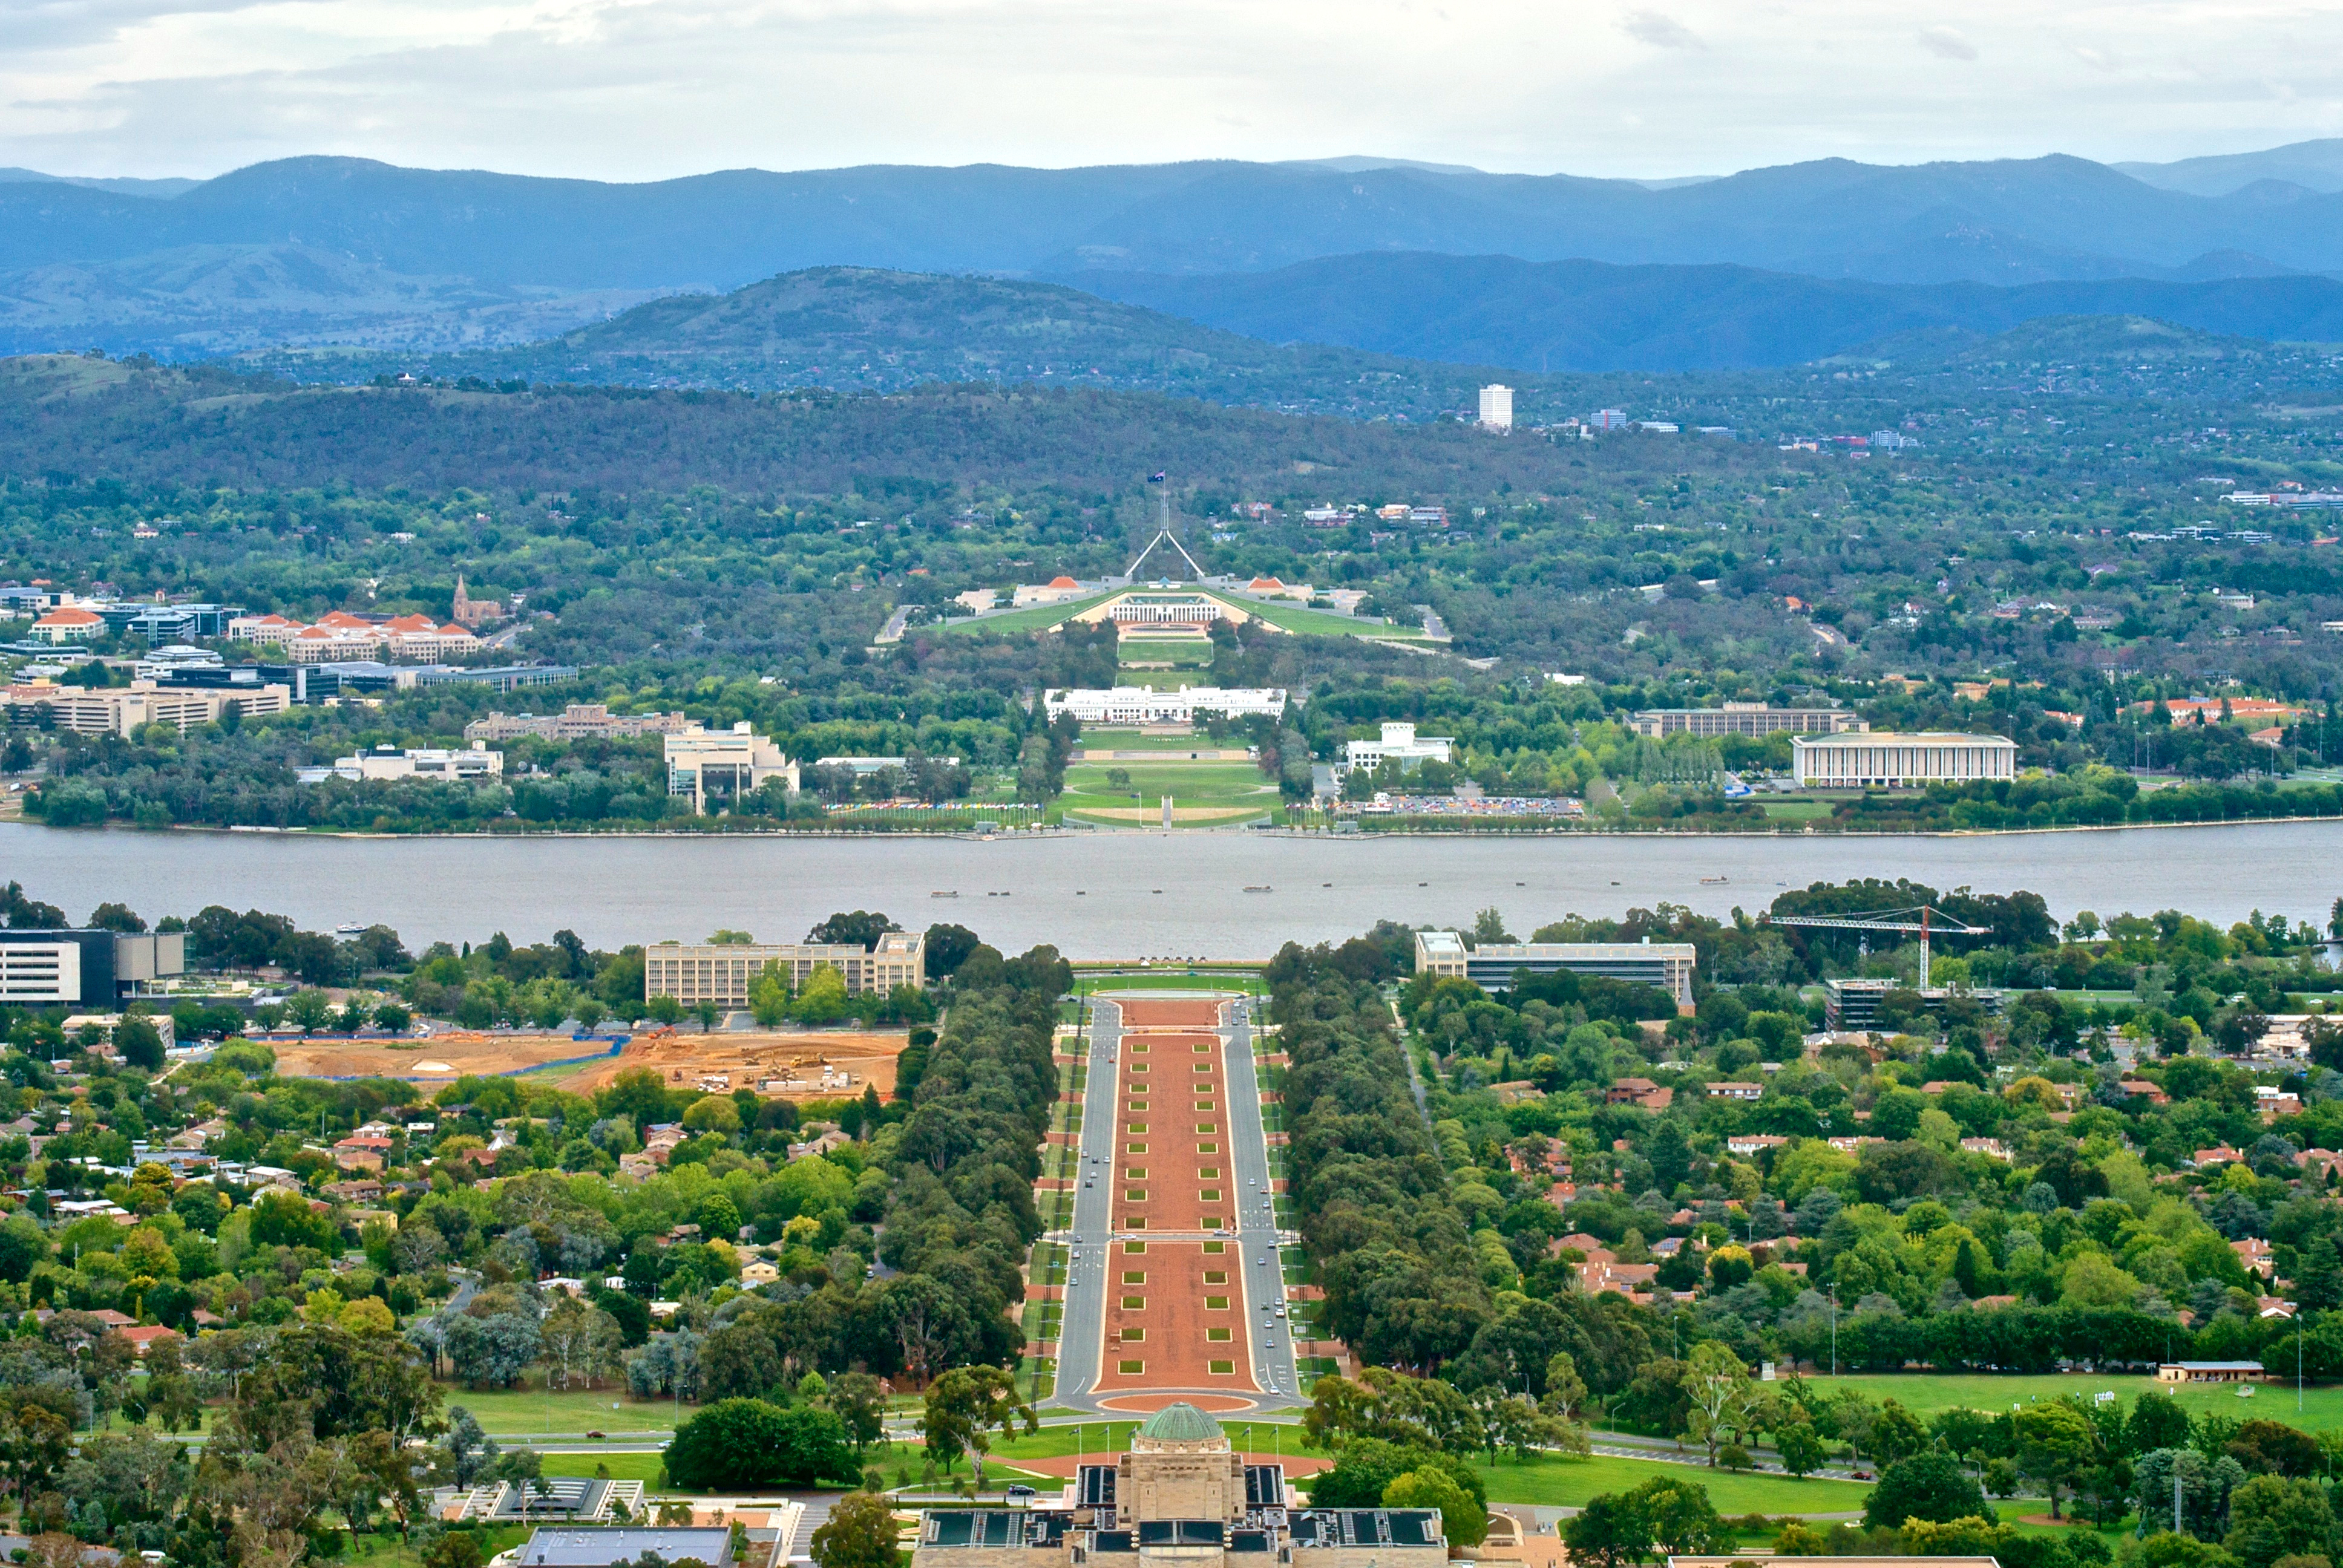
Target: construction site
(826,1064)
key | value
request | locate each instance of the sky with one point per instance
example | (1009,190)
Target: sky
(646,89)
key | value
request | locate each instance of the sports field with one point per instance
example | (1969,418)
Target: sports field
(1204,794)
(1924,1393)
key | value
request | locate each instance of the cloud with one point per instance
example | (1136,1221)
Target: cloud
(643,89)
(1660,32)
(1946,44)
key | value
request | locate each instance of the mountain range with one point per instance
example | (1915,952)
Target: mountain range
(1377,255)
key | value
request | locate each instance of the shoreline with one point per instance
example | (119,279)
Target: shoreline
(1085,834)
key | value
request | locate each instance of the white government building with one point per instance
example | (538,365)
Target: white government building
(1139,705)
(1399,744)
(705,765)
(1854,761)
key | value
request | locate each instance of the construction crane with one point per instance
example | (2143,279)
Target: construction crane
(1886,920)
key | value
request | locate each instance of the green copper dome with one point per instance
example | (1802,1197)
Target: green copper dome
(1181,1422)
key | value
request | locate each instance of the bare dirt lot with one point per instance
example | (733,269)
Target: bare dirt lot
(816,1065)
(445,1058)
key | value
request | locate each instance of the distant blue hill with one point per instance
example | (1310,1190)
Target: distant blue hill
(2008,221)
(1580,316)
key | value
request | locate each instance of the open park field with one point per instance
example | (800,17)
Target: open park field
(1204,794)
(1924,1393)
(1549,1481)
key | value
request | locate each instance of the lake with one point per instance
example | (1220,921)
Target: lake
(1130,894)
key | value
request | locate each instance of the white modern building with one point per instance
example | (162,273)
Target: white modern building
(863,767)
(720,765)
(174,658)
(1496,408)
(469,765)
(1493,966)
(1745,718)
(1854,760)
(1140,705)
(1399,744)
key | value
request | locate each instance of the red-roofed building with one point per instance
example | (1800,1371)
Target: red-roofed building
(145,1338)
(268,630)
(68,623)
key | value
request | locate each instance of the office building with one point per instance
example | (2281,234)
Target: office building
(1745,718)
(69,623)
(120,711)
(1182,1496)
(475,765)
(864,767)
(619,1545)
(1857,759)
(1853,1004)
(1399,744)
(92,969)
(718,766)
(1140,705)
(578,722)
(1497,408)
(722,972)
(1492,965)
(173,658)
(1607,419)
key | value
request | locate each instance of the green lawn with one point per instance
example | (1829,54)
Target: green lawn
(1228,791)
(1291,616)
(1248,981)
(642,1467)
(1554,1483)
(1032,619)
(531,1410)
(378,1551)
(1796,811)
(1287,616)
(1100,741)
(1924,1393)
(1114,1437)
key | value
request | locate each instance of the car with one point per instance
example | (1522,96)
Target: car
(1019,1493)
(597,1436)
(1280,1312)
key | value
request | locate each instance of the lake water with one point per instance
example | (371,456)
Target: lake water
(1124,895)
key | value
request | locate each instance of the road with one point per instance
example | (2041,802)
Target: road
(1081,1330)
(1265,1275)
(1082,1326)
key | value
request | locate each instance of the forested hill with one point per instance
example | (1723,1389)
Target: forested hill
(862,328)
(1588,316)
(93,419)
